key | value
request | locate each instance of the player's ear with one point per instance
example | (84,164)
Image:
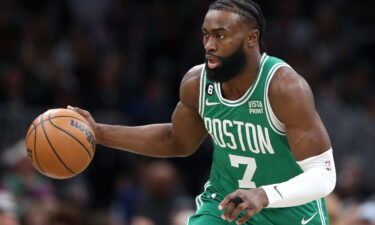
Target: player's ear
(252,38)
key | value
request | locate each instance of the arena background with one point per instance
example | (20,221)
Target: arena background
(123,61)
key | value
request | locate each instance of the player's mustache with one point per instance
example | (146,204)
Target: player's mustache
(215,56)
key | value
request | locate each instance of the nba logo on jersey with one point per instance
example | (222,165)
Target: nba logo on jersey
(328,165)
(255,107)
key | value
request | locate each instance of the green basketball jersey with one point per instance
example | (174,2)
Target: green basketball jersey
(250,144)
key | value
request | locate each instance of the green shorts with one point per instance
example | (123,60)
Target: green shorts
(312,213)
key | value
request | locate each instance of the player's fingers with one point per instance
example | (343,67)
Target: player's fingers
(237,210)
(223,204)
(236,200)
(228,211)
(75,109)
(80,111)
(249,213)
(84,113)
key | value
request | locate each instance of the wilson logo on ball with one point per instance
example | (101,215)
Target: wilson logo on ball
(89,135)
(30,154)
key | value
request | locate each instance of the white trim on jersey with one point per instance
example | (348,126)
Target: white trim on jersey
(202,91)
(248,93)
(321,214)
(274,122)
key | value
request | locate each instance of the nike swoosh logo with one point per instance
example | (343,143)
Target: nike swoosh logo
(275,187)
(211,103)
(303,222)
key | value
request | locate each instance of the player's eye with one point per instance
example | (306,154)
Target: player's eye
(220,36)
(206,35)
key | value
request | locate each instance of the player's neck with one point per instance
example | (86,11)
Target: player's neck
(236,87)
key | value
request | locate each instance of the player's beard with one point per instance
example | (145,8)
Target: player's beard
(229,67)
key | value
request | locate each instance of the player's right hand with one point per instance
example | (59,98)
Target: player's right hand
(248,201)
(88,117)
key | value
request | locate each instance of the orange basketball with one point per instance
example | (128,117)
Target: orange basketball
(60,143)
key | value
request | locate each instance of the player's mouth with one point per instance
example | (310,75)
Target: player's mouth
(212,61)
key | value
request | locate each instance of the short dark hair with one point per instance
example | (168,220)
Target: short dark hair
(247,9)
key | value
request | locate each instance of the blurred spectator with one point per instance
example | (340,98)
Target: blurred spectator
(355,214)
(67,214)
(126,197)
(367,213)
(8,209)
(24,181)
(141,220)
(160,193)
(38,213)
(350,186)
(181,216)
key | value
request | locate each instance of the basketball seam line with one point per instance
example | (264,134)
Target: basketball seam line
(53,149)
(36,157)
(29,132)
(66,132)
(35,126)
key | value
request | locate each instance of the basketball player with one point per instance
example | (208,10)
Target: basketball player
(272,162)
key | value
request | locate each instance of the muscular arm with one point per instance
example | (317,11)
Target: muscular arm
(179,138)
(293,104)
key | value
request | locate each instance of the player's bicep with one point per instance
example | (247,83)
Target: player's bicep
(187,128)
(308,138)
(293,103)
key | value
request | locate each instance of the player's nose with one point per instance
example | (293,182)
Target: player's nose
(210,45)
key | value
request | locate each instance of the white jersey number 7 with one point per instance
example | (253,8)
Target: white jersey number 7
(251,166)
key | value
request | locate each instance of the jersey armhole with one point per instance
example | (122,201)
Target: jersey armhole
(202,85)
(274,122)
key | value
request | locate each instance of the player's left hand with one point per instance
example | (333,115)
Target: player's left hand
(250,201)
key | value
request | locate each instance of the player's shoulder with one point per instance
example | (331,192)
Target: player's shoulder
(289,95)
(287,83)
(193,75)
(189,88)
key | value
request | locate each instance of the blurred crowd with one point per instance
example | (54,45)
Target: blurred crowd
(123,61)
